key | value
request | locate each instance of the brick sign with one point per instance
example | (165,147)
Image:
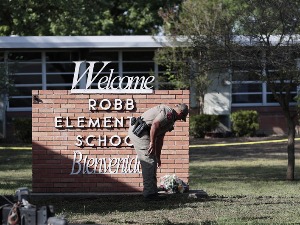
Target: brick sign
(80,142)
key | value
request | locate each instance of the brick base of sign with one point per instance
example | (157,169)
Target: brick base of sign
(80,143)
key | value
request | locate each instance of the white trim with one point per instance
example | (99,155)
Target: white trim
(103,42)
(120,63)
(21,109)
(28,85)
(156,75)
(60,85)
(44,71)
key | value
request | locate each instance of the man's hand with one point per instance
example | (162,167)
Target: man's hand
(158,163)
(151,150)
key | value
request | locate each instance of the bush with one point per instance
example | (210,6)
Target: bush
(202,124)
(245,123)
(23,129)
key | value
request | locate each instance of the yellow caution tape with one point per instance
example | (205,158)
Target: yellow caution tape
(240,143)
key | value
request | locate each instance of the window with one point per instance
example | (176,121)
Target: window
(249,90)
(26,71)
(138,63)
(54,70)
(60,69)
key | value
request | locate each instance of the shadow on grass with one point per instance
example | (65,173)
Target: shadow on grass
(115,203)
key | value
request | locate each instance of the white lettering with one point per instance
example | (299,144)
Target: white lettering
(94,124)
(119,122)
(102,141)
(92,104)
(126,141)
(80,121)
(88,142)
(89,80)
(107,121)
(76,162)
(129,104)
(111,141)
(137,84)
(68,123)
(89,165)
(102,104)
(106,104)
(79,139)
(58,121)
(118,104)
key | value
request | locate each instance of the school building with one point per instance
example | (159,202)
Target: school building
(47,63)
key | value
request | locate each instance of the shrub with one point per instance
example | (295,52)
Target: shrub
(202,124)
(245,123)
(23,129)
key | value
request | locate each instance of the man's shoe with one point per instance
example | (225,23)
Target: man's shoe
(155,197)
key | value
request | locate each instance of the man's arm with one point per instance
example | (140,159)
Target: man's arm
(153,133)
(158,148)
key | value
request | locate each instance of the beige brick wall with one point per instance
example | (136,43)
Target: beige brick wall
(53,148)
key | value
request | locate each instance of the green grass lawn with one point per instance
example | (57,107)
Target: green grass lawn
(245,184)
(15,169)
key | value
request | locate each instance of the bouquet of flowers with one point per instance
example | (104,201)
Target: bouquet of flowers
(172,184)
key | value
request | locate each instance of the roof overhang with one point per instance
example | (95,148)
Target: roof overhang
(32,42)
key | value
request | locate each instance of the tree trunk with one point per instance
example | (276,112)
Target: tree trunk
(291,150)
(201,104)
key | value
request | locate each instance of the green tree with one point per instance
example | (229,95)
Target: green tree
(80,17)
(259,36)
(198,32)
(271,27)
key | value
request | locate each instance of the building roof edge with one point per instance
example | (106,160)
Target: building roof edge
(129,41)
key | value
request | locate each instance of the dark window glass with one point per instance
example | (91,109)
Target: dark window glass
(27,79)
(59,78)
(136,67)
(246,98)
(25,91)
(1,56)
(60,67)
(271,99)
(282,87)
(162,68)
(102,56)
(107,68)
(62,56)
(246,76)
(20,102)
(138,56)
(246,88)
(25,56)
(26,67)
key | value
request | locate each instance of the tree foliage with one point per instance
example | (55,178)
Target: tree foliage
(258,36)
(6,82)
(272,28)
(200,31)
(80,17)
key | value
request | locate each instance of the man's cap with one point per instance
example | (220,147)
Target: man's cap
(185,110)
